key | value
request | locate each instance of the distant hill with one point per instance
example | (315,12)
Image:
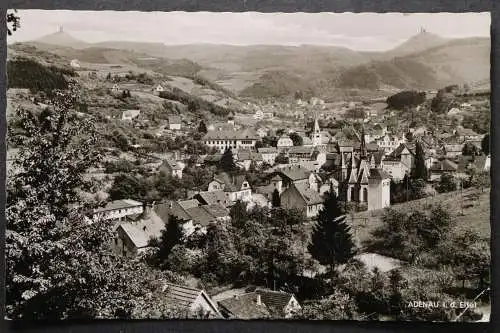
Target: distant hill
(418,43)
(61,38)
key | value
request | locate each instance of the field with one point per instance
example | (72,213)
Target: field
(476,213)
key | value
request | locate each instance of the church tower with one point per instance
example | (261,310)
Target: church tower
(316,133)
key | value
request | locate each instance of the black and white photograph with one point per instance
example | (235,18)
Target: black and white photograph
(243,166)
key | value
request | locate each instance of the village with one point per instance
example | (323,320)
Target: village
(346,205)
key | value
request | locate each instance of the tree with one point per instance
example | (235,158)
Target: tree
(13,22)
(281,159)
(276,201)
(331,240)
(238,213)
(339,306)
(202,128)
(127,186)
(485,144)
(227,161)
(447,183)
(296,138)
(420,168)
(59,265)
(405,99)
(170,236)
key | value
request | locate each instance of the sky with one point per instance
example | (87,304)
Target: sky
(363,32)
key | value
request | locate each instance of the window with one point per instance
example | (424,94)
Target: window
(365,195)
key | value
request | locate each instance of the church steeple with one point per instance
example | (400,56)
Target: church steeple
(363,143)
(316,133)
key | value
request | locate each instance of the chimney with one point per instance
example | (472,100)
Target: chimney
(259,301)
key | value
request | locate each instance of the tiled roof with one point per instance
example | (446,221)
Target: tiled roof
(231,135)
(183,296)
(214,158)
(186,204)
(231,183)
(310,196)
(245,307)
(378,174)
(294,173)
(267,150)
(140,232)
(300,150)
(445,165)
(276,301)
(119,204)
(214,197)
(200,215)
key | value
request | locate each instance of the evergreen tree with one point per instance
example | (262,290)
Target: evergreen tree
(485,144)
(331,242)
(420,168)
(276,201)
(227,161)
(171,236)
(202,128)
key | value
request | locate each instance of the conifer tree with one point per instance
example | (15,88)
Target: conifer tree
(331,242)
(170,237)
(227,161)
(202,128)
(276,198)
(420,168)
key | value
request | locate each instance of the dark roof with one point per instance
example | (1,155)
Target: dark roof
(231,135)
(378,174)
(245,307)
(294,173)
(118,204)
(310,196)
(301,150)
(215,158)
(213,197)
(445,166)
(276,301)
(231,183)
(140,232)
(200,215)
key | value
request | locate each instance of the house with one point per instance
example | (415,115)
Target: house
(465,134)
(159,88)
(75,63)
(260,304)
(300,153)
(191,303)
(259,114)
(246,306)
(235,186)
(268,154)
(173,168)
(130,114)
(389,142)
(452,151)
(213,198)
(303,198)
(440,167)
(328,184)
(245,158)
(133,237)
(402,161)
(296,175)
(284,143)
(223,140)
(194,215)
(279,303)
(115,89)
(454,112)
(262,132)
(118,209)
(174,123)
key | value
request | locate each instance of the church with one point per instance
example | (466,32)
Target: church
(364,180)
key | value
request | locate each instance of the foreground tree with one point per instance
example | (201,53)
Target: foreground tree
(171,236)
(331,240)
(485,144)
(202,128)
(13,22)
(276,200)
(420,168)
(58,265)
(447,183)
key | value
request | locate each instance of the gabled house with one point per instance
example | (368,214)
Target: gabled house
(173,168)
(223,140)
(245,157)
(268,154)
(279,303)
(284,143)
(296,175)
(452,151)
(133,237)
(174,123)
(213,197)
(303,198)
(118,210)
(159,88)
(440,167)
(235,186)
(246,306)
(191,303)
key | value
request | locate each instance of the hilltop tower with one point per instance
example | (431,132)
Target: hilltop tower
(316,133)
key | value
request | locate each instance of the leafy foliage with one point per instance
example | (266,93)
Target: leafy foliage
(447,183)
(59,265)
(13,22)
(296,138)
(405,99)
(170,237)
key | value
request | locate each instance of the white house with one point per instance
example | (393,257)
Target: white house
(118,209)
(268,154)
(159,88)
(174,123)
(75,63)
(390,142)
(302,198)
(284,142)
(223,140)
(174,168)
(236,187)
